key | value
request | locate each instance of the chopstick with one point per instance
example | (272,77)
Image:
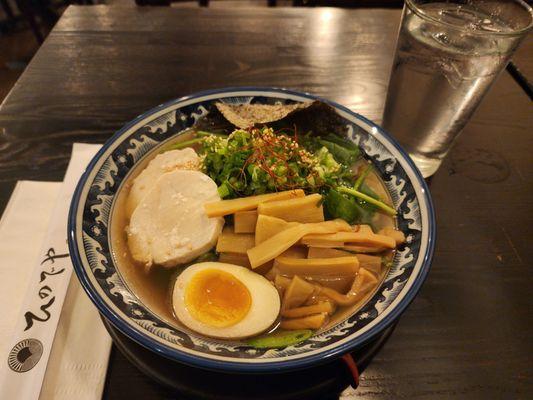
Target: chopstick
(520,79)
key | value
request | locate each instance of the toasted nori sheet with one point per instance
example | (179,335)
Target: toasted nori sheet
(316,117)
(214,122)
(248,115)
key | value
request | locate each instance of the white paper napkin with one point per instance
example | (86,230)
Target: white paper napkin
(78,358)
(30,205)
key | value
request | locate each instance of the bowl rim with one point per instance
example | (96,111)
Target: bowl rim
(243,366)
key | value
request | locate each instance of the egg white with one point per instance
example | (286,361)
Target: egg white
(263,312)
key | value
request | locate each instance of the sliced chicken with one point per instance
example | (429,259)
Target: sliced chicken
(166,162)
(169,226)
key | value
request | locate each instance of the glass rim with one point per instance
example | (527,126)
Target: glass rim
(412,6)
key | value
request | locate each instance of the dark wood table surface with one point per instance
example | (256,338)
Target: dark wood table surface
(469,333)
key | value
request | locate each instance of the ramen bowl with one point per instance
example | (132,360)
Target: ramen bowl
(95,264)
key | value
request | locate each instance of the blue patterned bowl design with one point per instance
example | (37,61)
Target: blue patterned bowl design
(93,201)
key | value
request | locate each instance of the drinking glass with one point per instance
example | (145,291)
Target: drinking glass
(447,56)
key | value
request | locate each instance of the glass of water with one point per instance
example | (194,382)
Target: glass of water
(447,56)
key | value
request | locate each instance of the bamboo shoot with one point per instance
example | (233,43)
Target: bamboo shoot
(267,227)
(244,221)
(316,297)
(370,263)
(226,207)
(309,322)
(342,225)
(397,235)
(235,258)
(338,266)
(277,244)
(295,252)
(355,238)
(321,307)
(339,283)
(231,242)
(304,209)
(364,282)
(317,252)
(282,282)
(296,293)
(363,249)
(363,229)
(321,243)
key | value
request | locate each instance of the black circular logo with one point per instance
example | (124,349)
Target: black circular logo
(25,355)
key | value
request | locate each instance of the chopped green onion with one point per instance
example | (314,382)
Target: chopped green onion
(224,190)
(389,210)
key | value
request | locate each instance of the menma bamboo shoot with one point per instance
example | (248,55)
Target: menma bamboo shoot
(226,207)
(304,209)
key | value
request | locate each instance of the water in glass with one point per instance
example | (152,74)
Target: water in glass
(444,65)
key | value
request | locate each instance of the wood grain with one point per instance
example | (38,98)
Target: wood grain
(468,333)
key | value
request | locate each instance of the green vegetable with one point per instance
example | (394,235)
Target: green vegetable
(279,339)
(338,206)
(224,190)
(209,256)
(362,177)
(369,192)
(251,162)
(343,142)
(326,159)
(379,204)
(181,145)
(342,154)
(344,151)
(204,134)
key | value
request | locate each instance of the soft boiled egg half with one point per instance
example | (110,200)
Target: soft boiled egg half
(224,300)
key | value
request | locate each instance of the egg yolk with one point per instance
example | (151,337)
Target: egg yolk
(217,298)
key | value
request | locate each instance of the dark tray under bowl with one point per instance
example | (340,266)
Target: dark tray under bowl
(323,382)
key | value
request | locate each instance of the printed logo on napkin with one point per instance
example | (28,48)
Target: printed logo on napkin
(25,355)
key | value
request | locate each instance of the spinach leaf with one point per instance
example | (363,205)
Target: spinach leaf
(338,206)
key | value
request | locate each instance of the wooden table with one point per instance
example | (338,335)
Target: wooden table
(469,332)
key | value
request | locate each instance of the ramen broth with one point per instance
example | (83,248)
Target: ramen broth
(154,287)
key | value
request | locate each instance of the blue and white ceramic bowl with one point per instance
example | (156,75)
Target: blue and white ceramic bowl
(94,199)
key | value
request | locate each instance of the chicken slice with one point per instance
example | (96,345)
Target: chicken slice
(165,162)
(169,226)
